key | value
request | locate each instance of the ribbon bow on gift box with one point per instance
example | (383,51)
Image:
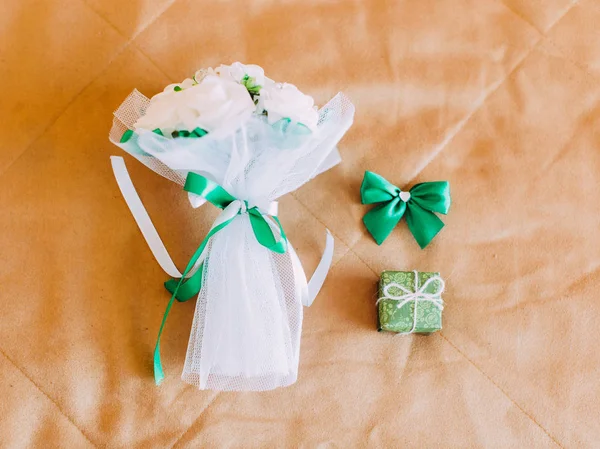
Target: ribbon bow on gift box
(418,204)
(420,294)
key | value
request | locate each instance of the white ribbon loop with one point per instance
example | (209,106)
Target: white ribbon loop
(142,218)
(418,295)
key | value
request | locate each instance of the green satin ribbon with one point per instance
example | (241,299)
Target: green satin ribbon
(187,287)
(425,199)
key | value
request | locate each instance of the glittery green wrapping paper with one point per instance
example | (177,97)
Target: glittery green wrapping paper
(429,317)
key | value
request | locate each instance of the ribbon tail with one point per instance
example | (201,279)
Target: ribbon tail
(192,283)
(158,370)
(141,217)
(159,374)
(423,224)
(308,291)
(318,278)
(189,288)
(301,284)
(264,234)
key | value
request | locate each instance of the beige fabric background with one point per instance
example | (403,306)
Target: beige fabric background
(500,97)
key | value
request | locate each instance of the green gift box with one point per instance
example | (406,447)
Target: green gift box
(399,295)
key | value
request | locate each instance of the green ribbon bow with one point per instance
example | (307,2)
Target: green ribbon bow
(419,205)
(187,287)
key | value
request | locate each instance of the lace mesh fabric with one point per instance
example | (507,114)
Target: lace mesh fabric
(125,117)
(260,319)
(248,318)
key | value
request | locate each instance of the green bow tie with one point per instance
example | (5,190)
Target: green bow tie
(419,205)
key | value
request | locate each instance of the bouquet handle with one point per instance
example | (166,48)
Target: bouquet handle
(310,289)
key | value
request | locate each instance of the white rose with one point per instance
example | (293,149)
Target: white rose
(238,71)
(203,73)
(186,84)
(216,105)
(286,101)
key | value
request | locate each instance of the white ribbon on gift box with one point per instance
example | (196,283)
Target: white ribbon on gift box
(308,290)
(418,295)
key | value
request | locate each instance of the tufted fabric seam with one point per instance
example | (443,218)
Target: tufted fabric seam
(38,388)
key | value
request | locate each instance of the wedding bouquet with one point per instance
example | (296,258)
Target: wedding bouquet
(237,139)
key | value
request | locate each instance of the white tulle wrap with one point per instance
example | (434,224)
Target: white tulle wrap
(248,318)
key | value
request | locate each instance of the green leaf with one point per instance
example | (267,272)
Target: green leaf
(281,124)
(177,89)
(198,132)
(158,131)
(126,135)
(303,129)
(250,83)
